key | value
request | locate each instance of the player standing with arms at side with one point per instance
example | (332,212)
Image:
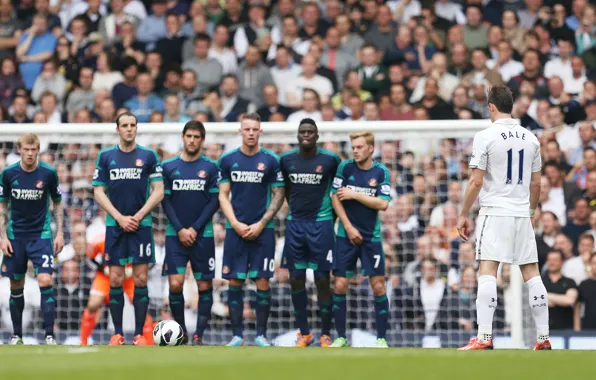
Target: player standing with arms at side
(506,167)
(123,176)
(310,237)
(26,186)
(361,188)
(190,201)
(253,176)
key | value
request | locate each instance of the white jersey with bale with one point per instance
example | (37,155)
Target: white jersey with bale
(509,153)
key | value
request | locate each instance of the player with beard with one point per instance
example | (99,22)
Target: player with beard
(310,238)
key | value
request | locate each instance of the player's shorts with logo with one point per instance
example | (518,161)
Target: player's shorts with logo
(129,247)
(346,256)
(249,258)
(39,251)
(101,287)
(309,245)
(506,239)
(201,256)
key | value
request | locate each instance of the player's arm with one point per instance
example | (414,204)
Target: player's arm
(211,207)
(379,202)
(577,317)
(353,234)
(100,180)
(5,245)
(535,183)
(157,190)
(58,213)
(226,208)
(279,191)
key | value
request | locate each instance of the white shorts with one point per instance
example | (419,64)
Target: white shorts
(505,239)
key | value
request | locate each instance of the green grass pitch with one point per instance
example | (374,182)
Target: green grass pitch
(222,363)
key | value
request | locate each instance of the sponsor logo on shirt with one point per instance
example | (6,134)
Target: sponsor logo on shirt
(188,185)
(319,169)
(225,270)
(202,174)
(27,195)
(364,190)
(96,174)
(279,177)
(306,178)
(372,182)
(250,177)
(139,162)
(337,182)
(261,166)
(39,184)
(385,189)
(1,190)
(125,173)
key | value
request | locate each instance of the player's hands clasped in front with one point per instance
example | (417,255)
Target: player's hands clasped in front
(6,247)
(253,231)
(462,227)
(128,223)
(58,243)
(240,228)
(345,193)
(354,235)
(187,237)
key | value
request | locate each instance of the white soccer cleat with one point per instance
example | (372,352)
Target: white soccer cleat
(50,341)
(16,340)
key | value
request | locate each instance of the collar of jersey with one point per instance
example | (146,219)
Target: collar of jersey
(510,122)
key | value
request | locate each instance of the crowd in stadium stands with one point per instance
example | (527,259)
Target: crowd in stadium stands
(76,61)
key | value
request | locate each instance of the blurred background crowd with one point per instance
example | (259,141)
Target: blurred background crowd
(85,61)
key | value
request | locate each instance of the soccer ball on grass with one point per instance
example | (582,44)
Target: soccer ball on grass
(168,333)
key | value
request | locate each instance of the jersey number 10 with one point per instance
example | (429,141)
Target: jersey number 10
(520,179)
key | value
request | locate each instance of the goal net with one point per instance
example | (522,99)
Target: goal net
(432,303)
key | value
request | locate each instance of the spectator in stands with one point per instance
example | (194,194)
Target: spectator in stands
(271,106)
(145,102)
(436,107)
(172,110)
(106,111)
(529,15)
(444,82)
(590,192)
(511,31)
(466,258)
(350,41)
(382,32)
(253,76)
(49,80)
(399,108)
(587,299)
(219,50)
(19,107)
(153,27)
(505,64)
(313,25)
(170,46)
(579,224)
(374,77)
(567,136)
(562,293)
(234,104)
(284,72)
(460,305)
(584,34)
(48,102)
(370,110)
(310,107)
(70,297)
(255,32)
(336,59)
(83,96)
(562,194)
(110,26)
(208,70)
(578,267)
(459,65)
(105,76)
(308,79)
(34,47)
(560,66)
(10,80)
(10,29)
(154,66)
(475,32)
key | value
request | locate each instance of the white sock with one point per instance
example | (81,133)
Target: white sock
(486,303)
(539,305)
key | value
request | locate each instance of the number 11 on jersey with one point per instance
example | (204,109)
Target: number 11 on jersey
(520,179)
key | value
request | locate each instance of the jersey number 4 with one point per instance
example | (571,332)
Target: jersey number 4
(520,178)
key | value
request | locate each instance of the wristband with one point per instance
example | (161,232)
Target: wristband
(532,212)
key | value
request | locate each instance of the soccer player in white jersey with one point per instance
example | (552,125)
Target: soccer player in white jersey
(506,168)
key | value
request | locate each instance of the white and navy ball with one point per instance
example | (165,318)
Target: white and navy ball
(168,333)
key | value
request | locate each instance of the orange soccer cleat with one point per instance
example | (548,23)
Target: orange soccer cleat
(304,340)
(543,346)
(475,344)
(325,341)
(139,340)
(116,340)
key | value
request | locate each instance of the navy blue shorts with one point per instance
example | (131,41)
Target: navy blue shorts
(201,256)
(244,259)
(309,244)
(39,251)
(372,258)
(129,247)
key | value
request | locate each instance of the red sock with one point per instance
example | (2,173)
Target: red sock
(87,326)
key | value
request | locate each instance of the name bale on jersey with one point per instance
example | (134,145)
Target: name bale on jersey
(189,185)
(515,135)
(306,178)
(250,177)
(27,195)
(125,173)
(364,190)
